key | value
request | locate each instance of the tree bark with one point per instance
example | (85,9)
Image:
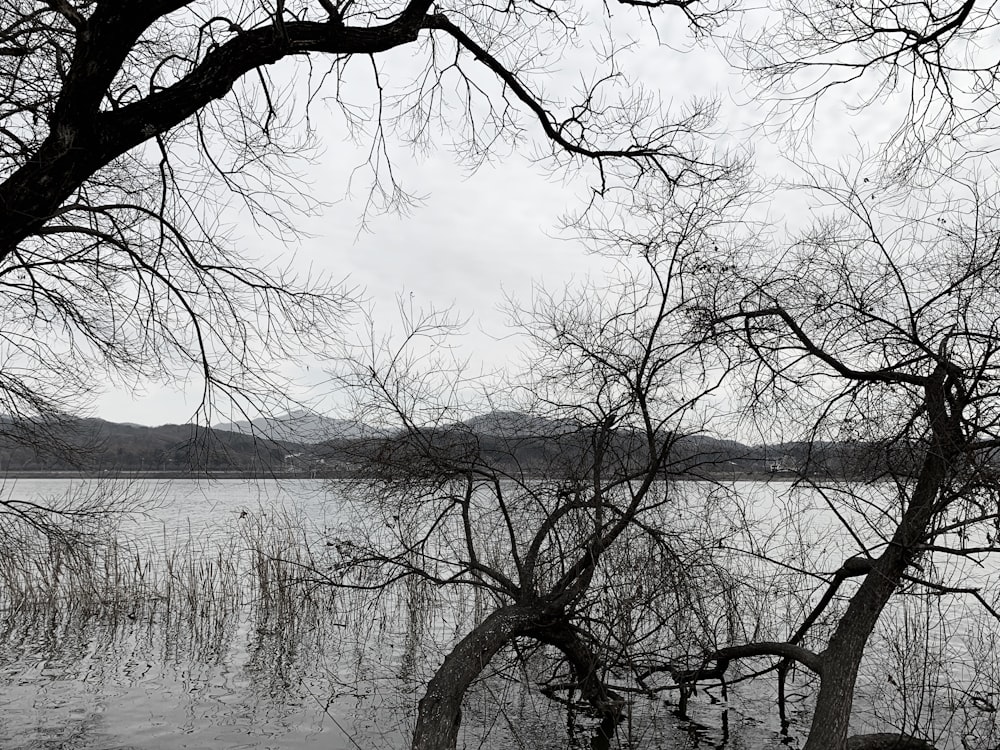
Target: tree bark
(439,712)
(586,668)
(842,657)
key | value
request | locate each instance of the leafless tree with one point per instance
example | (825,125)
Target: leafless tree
(126,127)
(926,68)
(572,468)
(878,327)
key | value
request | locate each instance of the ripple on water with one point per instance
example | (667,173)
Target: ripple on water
(230,682)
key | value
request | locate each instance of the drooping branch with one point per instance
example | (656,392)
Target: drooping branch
(83,139)
(854,566)
(892,374)
(652,155)
(721,659)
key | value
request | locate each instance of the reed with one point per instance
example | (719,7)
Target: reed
(93,564)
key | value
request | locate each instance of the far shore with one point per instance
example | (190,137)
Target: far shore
(728,476)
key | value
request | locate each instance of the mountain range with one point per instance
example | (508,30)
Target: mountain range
(300,443)
(298,426)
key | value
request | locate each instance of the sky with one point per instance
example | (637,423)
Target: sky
(475,239)
(477,235)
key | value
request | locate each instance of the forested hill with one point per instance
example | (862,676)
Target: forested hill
(504,440)
(94,445)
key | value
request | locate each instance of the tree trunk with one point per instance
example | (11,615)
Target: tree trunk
(586,668)
(439,713)
(842,657)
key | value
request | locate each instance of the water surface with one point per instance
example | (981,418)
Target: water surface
(333,673)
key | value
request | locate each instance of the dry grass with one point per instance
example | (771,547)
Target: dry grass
(91,564)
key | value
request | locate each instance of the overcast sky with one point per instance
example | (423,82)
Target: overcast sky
(479,235)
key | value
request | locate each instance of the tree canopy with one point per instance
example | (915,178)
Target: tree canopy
(126,127)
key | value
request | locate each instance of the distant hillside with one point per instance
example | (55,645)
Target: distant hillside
(95,445)
(312,445)
(524,444)
(512,423)
(297,427)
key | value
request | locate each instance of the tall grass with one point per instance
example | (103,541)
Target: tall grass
(85,557)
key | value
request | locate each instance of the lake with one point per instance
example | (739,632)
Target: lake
(205,668)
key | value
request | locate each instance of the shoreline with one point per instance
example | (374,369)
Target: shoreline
(730,476)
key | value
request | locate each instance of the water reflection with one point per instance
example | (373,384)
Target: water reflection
(159,680)
(280,676)
(232,650)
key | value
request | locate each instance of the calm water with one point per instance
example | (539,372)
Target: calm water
(73,681)
(328,676)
